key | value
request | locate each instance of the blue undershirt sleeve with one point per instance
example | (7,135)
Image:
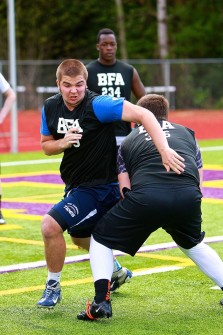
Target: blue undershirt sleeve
(107,108)
(44,128)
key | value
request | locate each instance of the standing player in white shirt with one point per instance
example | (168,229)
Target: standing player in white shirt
(9,98)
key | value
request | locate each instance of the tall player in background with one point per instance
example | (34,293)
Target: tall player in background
(110,76)
(10,97)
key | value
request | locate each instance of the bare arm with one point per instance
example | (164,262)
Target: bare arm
(51,146)
(124,181)
(138,88)
(137,114)
(10,97)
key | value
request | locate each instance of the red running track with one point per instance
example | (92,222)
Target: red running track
(206,124)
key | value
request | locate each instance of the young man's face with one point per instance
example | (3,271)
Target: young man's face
(107,47)
(72,89)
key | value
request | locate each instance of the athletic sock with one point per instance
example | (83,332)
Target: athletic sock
(101,260)
(117,265)
(208,261)
(53,277)
(102,290)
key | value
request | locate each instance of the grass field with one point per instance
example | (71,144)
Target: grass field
(168,294)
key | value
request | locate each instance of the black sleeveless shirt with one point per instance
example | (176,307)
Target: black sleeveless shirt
(114,80)
(93,162)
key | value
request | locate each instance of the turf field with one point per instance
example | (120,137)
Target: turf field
(168,294)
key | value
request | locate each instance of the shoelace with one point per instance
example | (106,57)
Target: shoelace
(108,292)
(48,291)
(88,311)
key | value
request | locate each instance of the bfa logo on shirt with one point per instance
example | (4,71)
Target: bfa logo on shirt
(165,125)
(65,124)
(110,84)
(110,79)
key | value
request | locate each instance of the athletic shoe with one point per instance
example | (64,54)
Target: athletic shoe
(51,295)
(119,278)
(2,220)
(221,302)
(96,311)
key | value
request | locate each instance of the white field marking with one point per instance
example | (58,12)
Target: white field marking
(217,148)
(85,257)
(56,160)
(156,270)
(31,162)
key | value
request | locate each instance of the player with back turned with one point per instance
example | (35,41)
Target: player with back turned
(152,199)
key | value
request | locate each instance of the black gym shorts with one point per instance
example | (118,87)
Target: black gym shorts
(176,209)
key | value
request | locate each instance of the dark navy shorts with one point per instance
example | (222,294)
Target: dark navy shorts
(176,209)
(82,207)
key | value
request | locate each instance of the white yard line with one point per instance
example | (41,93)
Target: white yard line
(218,148)
(32,162)
(85,257)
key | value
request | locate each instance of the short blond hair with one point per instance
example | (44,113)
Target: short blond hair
(71,68)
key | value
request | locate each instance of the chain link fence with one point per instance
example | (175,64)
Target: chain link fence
(187,83)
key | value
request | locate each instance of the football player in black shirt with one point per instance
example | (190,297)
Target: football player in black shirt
(107,75)
(152,199)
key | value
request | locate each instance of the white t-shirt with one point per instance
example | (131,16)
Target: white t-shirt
(4,85)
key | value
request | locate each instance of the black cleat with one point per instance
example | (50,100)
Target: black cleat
(96,311)
(221,302)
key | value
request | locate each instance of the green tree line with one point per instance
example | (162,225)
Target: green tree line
(56,29)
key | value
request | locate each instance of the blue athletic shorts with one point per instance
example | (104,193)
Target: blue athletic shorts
(82,207)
